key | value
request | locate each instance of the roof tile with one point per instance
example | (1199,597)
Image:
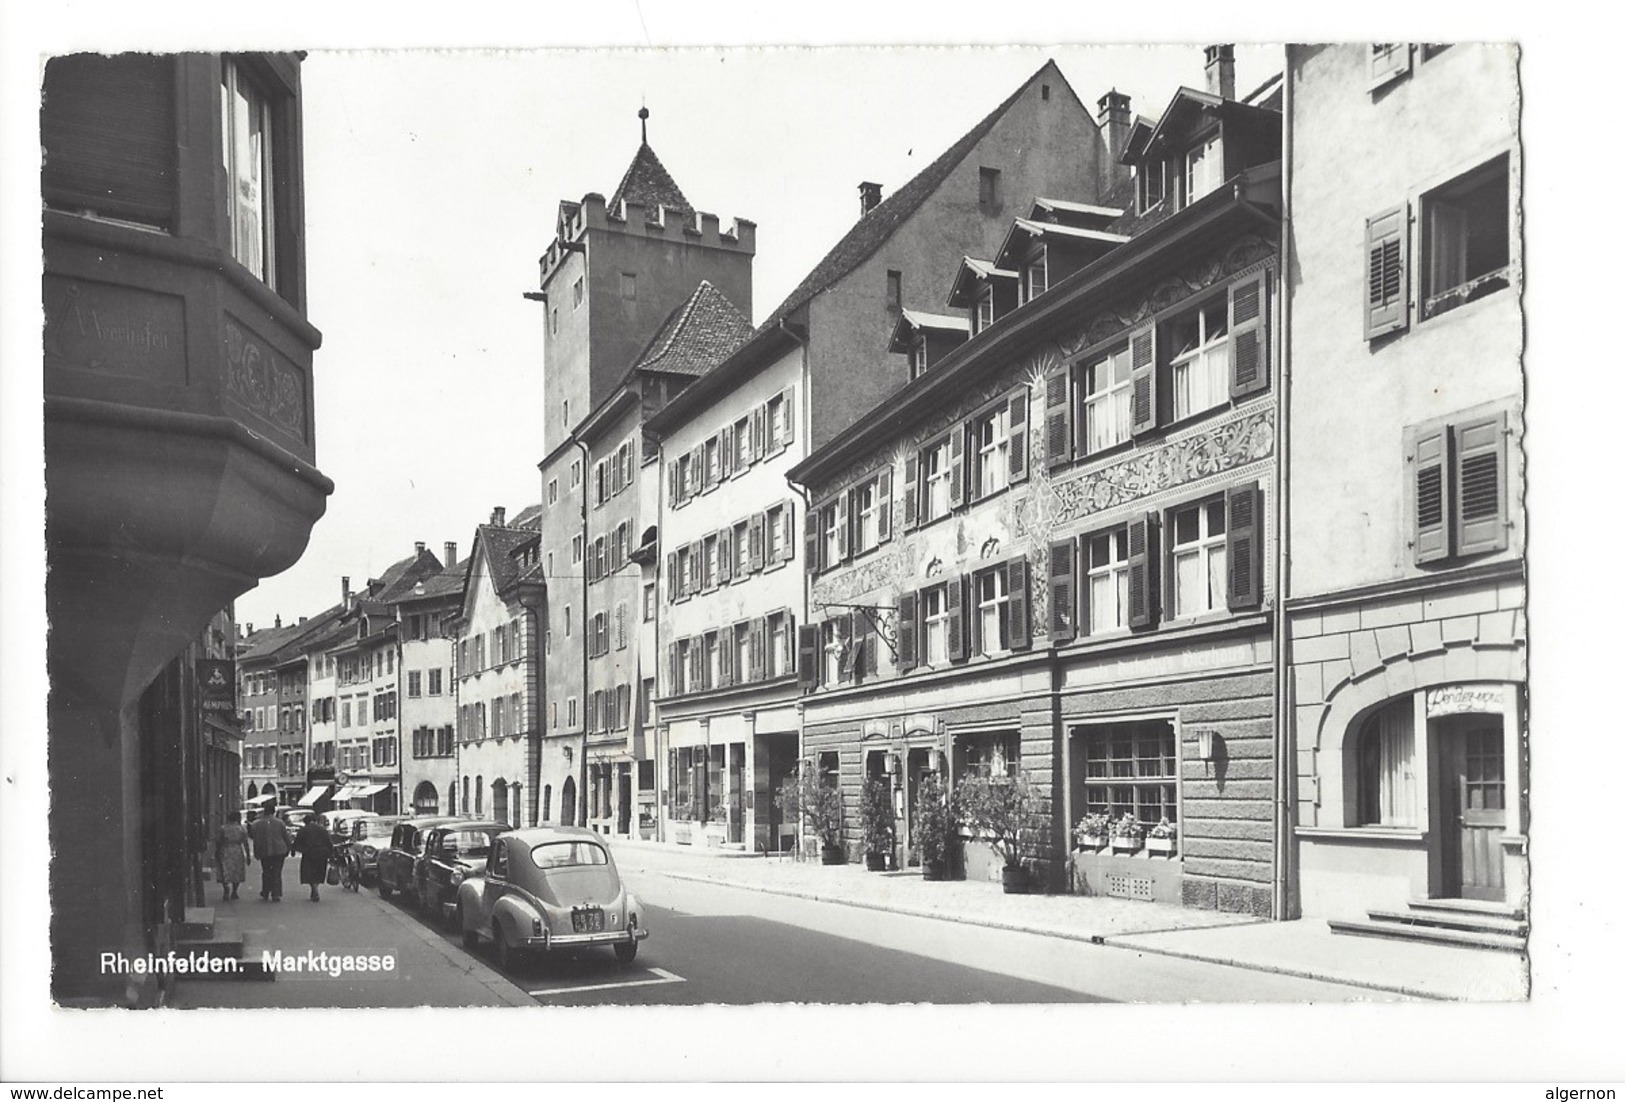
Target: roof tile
(697,336)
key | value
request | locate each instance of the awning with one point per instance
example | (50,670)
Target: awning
(260,799)
(309,798)
(367,790)
(344,793)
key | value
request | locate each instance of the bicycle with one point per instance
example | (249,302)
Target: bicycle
(349,871)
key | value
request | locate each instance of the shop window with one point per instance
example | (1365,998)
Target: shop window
(1387,783)
(1465,238)
(1131,769)
(988,755)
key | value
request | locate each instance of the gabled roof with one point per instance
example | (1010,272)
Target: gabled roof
(497,546)
(971,275)
(448,582)
(399,578)
(696,336)
(875,228)
(646,181)
(1079,240)
(912,321)
(1187,104)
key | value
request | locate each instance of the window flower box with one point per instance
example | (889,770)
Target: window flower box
(1125,843)
(1092,841)
(1128,835)
(1164,846)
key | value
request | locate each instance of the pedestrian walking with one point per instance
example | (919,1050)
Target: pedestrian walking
(270,837)
(315,848)
(231,854)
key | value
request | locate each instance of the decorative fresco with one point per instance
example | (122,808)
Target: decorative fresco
(257,378)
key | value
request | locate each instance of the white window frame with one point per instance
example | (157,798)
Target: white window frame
(1204,169)
(1107,582)
(992,595)
(1206,551)
(777,662)
(1108,410)
(1204,364)
(992,442)
(248,138)
(933,615)
(936,480)
(865,517)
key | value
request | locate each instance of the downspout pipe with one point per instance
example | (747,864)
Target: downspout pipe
(1285,757)
(799,335)
(581,636)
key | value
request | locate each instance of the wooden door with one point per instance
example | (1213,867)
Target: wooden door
(1474,862)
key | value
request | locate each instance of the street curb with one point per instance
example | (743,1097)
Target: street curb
(1108,941)
(499,985)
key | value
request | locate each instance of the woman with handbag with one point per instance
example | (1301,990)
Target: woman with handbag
(231,854)
(315,848)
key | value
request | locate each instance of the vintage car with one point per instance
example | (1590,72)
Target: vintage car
(368,838)
(338,823)
(397,862)
(452,853)
(547,889)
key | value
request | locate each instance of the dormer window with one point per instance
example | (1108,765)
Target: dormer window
(1204,169)
(1035,274)
(982,317)
(1149,178)
(918,360)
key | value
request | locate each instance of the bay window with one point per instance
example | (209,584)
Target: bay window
(246,128)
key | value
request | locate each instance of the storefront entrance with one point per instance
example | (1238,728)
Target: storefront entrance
(1471,795)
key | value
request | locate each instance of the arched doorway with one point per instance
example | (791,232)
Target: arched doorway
(499,800)
(425,800)
(253,790)
(567,802)
(547,803)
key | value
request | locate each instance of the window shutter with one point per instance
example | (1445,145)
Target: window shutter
(957,651)
(1432,508)
(812,534)
(725,556)
(789,417)
(753,542)
(725,659)
(871,645)
(911,479)
(671,576)
(1018,435)
(1243,546)
(956,468)
(674,670)
(758,432)
(787,543)
(725,451)
(883,506)
(1143,378)
(807,655)
(907,626)
(1021,626)
(843,520)
(1480,484)
(758,640)
(672,492)
(1142,595)
(1389,61)
(1387,250)
(1249,336)
(620,626)
(1058,416)
(108,130)
(1062,590)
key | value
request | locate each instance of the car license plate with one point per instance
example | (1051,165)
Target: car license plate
(587,922)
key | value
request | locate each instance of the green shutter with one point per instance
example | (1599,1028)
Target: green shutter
(1143,379)
(1387,251)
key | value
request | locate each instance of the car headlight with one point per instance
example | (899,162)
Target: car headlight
(456,877)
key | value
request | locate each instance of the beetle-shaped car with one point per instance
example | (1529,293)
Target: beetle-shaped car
(549,888)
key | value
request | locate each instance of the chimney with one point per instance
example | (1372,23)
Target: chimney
(250,627)
(1115,120)
(868,197)
(451,553)
(1221,71)
(420,545)
(278,620)
(499,517)
(346,589)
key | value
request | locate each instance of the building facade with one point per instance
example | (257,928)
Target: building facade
(1050,558)
(1405,605)
(428,721)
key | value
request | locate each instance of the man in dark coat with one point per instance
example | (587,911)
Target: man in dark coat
(315,848)
(270,837)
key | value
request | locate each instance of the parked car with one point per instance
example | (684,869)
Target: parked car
(398,862)
(368,838)
(547,889)
(452,854)
(295,817)
(338,823)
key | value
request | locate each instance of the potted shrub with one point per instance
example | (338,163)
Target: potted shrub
(1162,838)
(1127,834)
(932,827)
(879,826)
(1008,813)
(804,796)
(1092,831)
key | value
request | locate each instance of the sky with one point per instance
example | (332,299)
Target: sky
(433,180)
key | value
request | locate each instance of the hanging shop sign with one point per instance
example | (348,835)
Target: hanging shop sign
(217,686)
(1450,700)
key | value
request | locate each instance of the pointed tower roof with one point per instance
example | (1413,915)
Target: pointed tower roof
(647,181)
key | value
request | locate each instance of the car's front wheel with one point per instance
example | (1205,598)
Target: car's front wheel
(508,956)
(384,890)
(471,938)
(626,951)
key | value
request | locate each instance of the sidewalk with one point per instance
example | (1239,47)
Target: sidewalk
(429,969)
(1305,948)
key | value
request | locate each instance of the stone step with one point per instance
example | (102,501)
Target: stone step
(198,921)
(225,940)
(1435,934)
(1451,918)
(1469,906)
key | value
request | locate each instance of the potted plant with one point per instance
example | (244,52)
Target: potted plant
(805,796)
(1092,831)
(879,826)
(1162,838)
(932,827)
(1127,834)
(1008,813)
